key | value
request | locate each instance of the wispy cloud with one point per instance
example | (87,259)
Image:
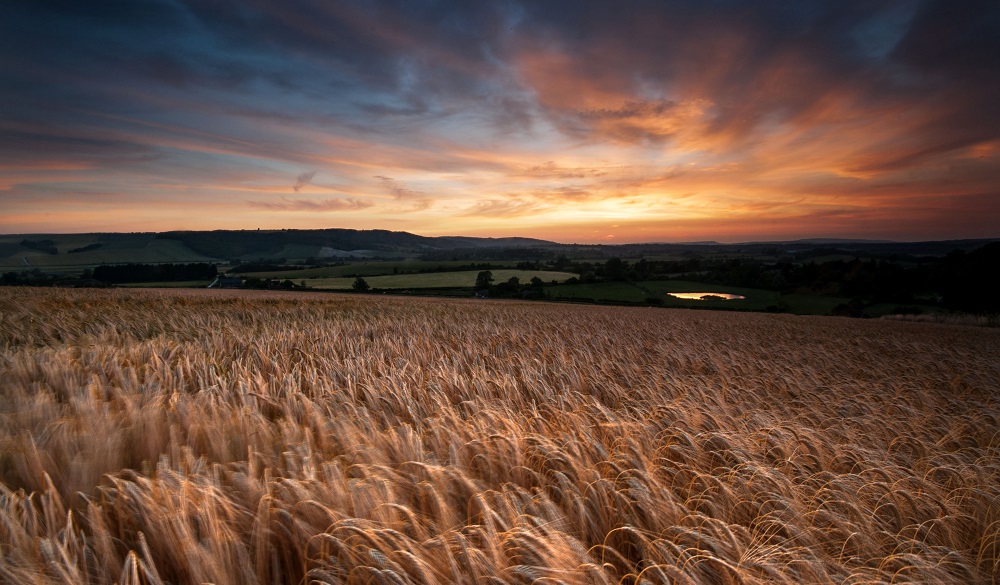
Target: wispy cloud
(551,170)
(565,195)
(501,208)
(417,199)
(286,204)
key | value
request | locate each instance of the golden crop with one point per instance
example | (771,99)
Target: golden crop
(235,438)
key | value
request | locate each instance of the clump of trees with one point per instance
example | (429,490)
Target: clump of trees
(271,284)
(121,273)
(86,248)
(276,265)
(511,288)
(954,281)
(33,277)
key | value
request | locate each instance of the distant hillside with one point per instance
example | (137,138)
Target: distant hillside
(72,252)
(328,242)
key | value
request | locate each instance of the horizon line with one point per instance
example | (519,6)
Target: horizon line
(811,239)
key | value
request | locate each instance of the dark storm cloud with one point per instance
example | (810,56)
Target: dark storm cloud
(342,64)
(754,59)
(761,63)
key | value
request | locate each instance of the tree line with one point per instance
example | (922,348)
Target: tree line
(121,273)
(957,281)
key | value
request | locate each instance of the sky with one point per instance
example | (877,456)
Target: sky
(572,121)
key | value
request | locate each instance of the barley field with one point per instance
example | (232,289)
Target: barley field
(231,437)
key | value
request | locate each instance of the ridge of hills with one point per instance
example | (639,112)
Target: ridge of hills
(18,251)
(73,252)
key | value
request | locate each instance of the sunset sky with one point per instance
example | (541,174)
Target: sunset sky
(572,121)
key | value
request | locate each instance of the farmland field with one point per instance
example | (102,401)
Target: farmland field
(156,436)
(367,268)
(463,278)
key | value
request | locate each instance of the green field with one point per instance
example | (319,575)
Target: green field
(377,268)
(811,304)
(465,278)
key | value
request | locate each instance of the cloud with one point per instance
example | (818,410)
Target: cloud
(737,100)
(653,121)
(303,180)
(502,208)
(551,170)
(418,199)
(564,195)
(724,80)
(286,204)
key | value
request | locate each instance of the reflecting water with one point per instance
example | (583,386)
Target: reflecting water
(704,296)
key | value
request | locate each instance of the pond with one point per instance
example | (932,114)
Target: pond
(706,296)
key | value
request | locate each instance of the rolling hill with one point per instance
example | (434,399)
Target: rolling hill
(74,252)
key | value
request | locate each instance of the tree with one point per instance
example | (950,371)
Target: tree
(615,269)
(360,285)
(484,279)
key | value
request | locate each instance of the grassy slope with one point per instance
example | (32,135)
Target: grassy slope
(138,248)
(239,437)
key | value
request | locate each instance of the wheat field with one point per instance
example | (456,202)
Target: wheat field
(232,437)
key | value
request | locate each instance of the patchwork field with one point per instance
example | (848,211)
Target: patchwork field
(153,436)
(463,278)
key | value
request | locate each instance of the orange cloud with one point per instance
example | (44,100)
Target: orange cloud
(502,208)
(285,204)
